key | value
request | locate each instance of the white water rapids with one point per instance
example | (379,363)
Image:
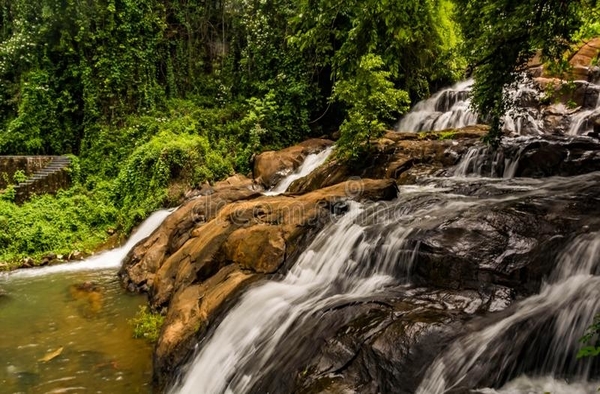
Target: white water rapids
(328,272)
(363,253)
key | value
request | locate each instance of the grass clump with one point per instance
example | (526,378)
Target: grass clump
(146,325)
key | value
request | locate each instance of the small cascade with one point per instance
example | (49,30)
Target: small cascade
(514,346)
(449,108)
(482,161)
(312,162)
(582,121)
(472,163)
(105,260)
(523,122)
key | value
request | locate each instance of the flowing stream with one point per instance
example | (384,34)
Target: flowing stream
(581,122)
(364,253)
(549,326)
(64,328)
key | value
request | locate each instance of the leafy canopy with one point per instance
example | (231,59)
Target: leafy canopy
(500,36)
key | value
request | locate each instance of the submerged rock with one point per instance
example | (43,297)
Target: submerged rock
(90,294)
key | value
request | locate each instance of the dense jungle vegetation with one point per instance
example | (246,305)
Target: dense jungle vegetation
(154,97)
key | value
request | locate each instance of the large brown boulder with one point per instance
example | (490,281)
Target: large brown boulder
(212,247)
(145,259)
(270,167)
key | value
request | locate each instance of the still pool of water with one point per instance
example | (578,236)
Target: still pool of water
(57,336)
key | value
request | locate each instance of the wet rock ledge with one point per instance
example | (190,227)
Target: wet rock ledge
(195,265)
(215,244)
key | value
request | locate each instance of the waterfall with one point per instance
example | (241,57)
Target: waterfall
(332,270)
(361,254)
(471,163)
(311,163)
(368,252)
(449,108)
(109,259)
(581,122)
(481,161)
(511,347)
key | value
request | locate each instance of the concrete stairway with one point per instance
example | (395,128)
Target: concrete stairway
(48,180)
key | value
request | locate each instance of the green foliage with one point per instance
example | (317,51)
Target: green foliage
(152,95)
(65,65)
(591,23)
(447,135)
(416,40)
(142,183)
(371,99)
(19,176)
(502,35)
(146,324)
(72,220)
(8,194)
(591,336)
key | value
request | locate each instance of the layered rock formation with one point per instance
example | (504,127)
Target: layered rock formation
(212,246)
(270,167)
(230,236)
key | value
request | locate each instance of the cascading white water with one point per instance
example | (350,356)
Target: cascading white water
(581,121)
(546,384)
(365,253)
(328,272)
(109,259)
(449,108)
(474,162)
(563,309)
(359,256)
(312,162)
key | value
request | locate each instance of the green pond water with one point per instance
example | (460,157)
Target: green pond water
(39,316)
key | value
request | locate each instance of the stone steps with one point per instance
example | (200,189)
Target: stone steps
(49,179)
